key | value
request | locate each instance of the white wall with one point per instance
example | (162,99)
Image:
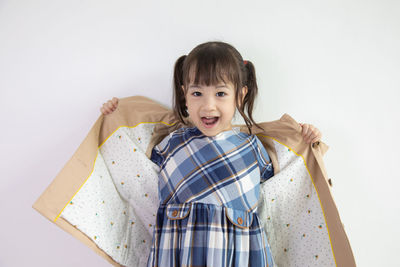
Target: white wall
(334,64)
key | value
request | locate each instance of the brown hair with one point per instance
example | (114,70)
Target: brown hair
(213,62)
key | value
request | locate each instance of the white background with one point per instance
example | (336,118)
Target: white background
(333,64)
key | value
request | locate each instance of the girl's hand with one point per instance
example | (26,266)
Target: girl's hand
(110,106)
(310,133)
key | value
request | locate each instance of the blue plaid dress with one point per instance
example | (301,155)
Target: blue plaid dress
(208,190)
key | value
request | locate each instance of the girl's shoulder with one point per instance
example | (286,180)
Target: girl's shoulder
(177,136)
(184,131)
(255,139)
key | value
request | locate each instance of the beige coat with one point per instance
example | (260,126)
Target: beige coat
(106,195)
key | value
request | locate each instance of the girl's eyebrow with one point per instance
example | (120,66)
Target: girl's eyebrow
(218,86)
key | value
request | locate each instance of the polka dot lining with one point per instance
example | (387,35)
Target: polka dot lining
(292,216)
(116,207)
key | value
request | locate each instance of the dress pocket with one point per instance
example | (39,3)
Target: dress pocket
(240,218)
(178,211)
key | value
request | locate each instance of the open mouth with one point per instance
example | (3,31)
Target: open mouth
(209,121)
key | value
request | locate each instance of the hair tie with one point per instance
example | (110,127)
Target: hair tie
(245,62)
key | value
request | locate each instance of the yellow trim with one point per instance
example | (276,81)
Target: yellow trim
(312,180)
(97,157)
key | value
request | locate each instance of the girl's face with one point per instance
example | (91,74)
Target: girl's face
(211,108)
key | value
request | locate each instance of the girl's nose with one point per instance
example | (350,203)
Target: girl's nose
(209,103)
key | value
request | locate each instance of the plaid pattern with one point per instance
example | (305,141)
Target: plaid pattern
(208,191)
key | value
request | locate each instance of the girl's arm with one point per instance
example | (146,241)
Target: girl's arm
(310,133)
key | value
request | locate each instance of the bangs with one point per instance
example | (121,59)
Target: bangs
(211,68)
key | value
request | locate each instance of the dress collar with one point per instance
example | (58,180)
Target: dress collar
(221,135)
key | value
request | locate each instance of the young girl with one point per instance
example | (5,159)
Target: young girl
(210,172)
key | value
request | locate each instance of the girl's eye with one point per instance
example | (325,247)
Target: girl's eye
(199,93)
(220,93)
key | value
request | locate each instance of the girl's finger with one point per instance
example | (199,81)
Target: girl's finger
(110,105)
(114,102)
(317,133)
(305,129)
(310,133)
(312,129)
(314,133)
(307,136)
(107,108)
(310,138)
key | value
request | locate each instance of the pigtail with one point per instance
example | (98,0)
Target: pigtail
(250,81)
(179,101)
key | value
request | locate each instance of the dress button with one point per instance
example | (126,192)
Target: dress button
(239,219)
(174,213)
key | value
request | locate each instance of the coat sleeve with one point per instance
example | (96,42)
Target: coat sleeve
(264,162)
